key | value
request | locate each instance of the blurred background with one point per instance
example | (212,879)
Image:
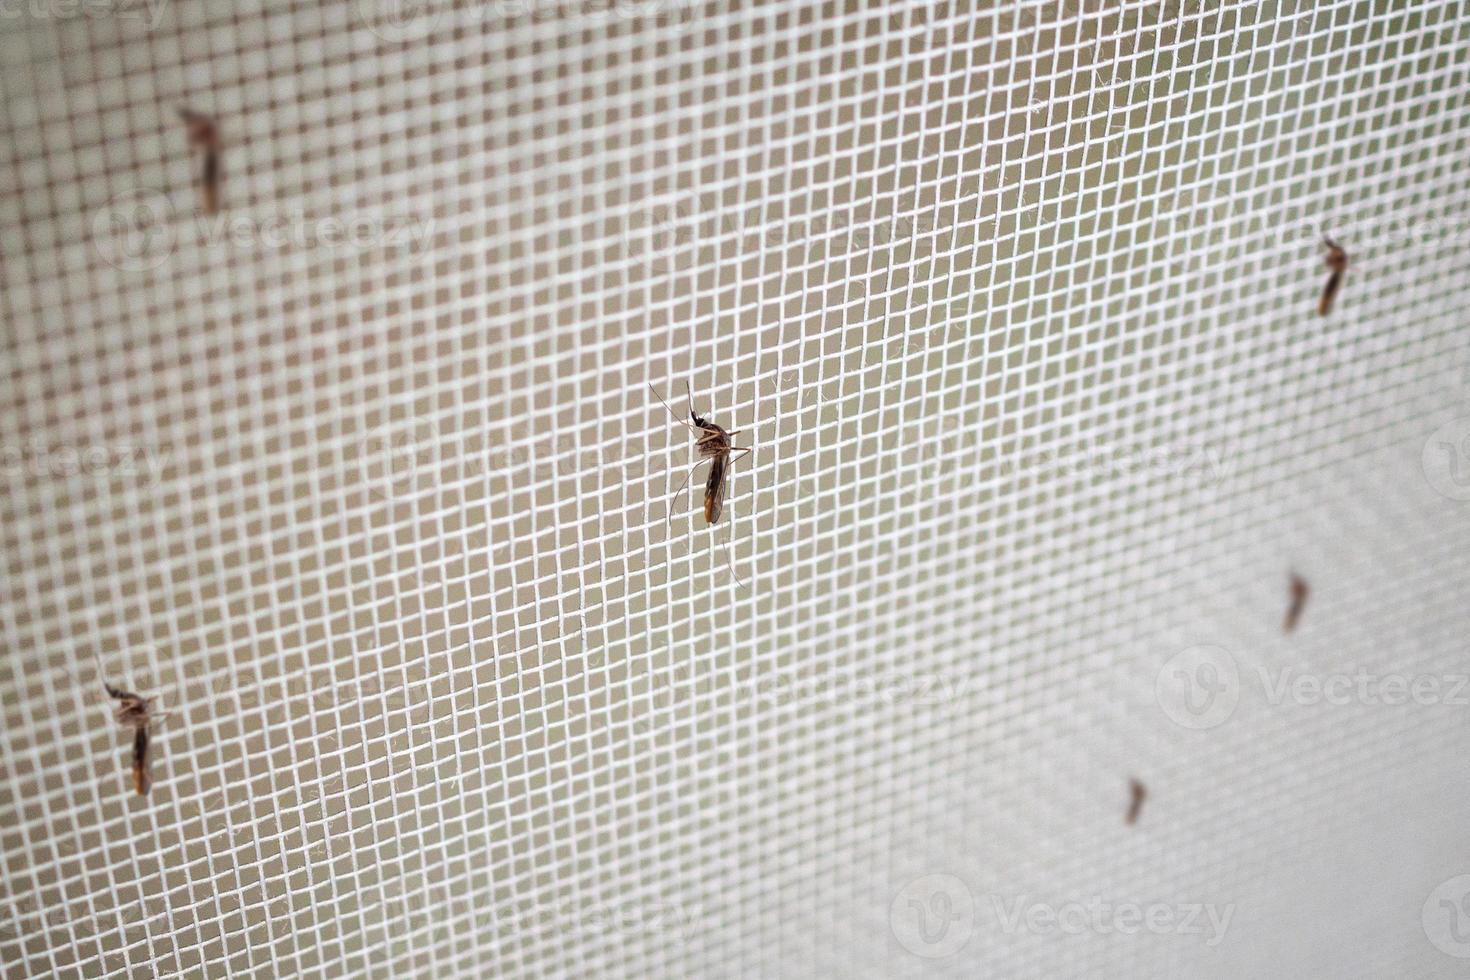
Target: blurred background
(361,476)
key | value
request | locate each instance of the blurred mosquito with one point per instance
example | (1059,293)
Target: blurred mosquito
(135,712)
(204,139)
(713,444)
(1337,261)
(1299,593)
(1139,793)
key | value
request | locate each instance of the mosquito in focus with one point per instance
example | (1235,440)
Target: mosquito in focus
(136,712)
(1139,793)
(712,443)
(204,140)
(1299,593)
(1337,261)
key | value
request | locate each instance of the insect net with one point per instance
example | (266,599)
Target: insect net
(363,479)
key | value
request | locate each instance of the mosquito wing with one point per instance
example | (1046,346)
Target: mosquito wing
(714,488)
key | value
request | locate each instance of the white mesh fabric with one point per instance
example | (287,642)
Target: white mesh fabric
(1016,303)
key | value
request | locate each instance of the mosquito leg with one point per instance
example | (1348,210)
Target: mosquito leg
(730,562)
(669,515)
(729,559)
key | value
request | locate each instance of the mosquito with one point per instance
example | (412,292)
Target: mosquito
(1140,793)
(204,139)
(713,444)
(136,712)
(1337,261)
(1299,593)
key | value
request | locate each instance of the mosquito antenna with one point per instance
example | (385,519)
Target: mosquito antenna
(666,404)
(689,395)
(102,674)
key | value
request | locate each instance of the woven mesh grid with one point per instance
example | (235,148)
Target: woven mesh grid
(1016,303)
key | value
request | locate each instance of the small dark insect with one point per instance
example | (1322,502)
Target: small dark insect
(135,712)
(712,443)
(1337,261)
(1140,793)
(204,139)
(1299,592)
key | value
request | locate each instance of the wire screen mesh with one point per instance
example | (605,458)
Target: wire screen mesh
(362,478)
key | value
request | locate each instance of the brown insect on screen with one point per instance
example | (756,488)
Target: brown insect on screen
(360,477)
